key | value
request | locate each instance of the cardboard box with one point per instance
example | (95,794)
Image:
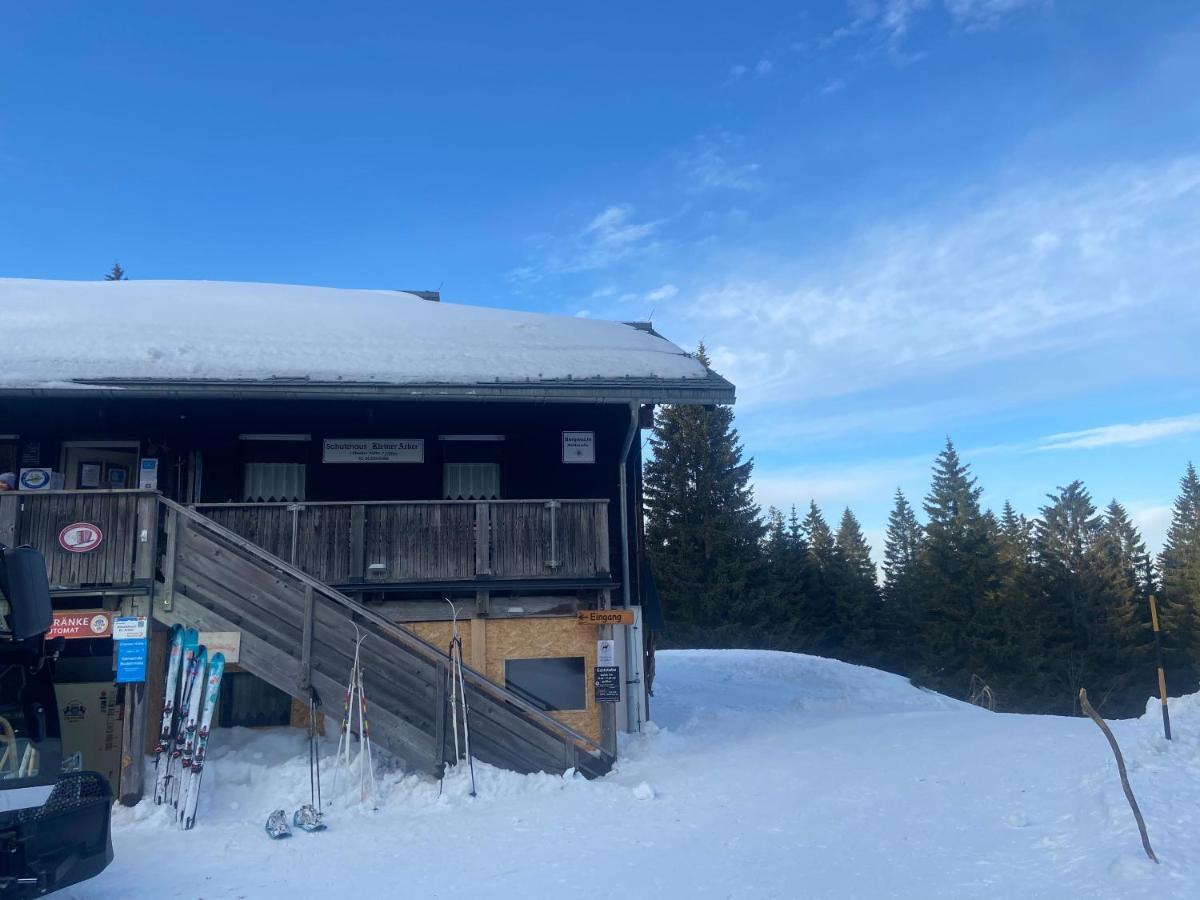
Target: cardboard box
(91,729)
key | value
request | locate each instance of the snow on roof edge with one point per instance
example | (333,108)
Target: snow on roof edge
(62,333)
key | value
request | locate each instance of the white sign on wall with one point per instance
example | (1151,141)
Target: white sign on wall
(129,628)
(374,450)
(226,642)
(579,446)
(148,475)
(606,653)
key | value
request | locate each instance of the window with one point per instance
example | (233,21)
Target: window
(553,683)
(471,481)
(273,481)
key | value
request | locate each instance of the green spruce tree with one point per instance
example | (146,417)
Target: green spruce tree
(957,569)
(821,625)
(901,587)
(1179,594)
(116,273)
(704,532)
(858,602)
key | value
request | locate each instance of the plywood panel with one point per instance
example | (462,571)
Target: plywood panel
(525,638)
(522,639)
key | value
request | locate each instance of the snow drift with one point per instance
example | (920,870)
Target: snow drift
(765,775)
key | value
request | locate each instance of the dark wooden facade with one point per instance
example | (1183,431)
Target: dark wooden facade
(380,525)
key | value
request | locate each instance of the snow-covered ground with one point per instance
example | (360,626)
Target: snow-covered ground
(768,775)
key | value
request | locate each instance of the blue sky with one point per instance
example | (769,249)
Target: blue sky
(890,220)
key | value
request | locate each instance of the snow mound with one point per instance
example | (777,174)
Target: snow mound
(57,332)
(765,775)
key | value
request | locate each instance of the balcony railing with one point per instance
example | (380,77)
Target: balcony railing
(91,539)
(427,541)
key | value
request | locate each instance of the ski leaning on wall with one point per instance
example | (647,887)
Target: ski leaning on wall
(189,701)
(162,755)
(191,788)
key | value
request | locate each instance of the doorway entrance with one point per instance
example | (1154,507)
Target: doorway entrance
(90,465)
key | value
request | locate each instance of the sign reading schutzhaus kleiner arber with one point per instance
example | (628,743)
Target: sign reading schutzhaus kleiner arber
(373,450)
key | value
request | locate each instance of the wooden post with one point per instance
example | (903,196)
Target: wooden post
(10,515)
(306,639)
(358,542)
(483,539)
(133,728)
(1162,677)
(146,556)
(608,711)
(174,523)
(1112,742)
(439,721)
(553,561)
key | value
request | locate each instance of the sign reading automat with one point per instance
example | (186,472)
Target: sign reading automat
(373,450)
(579,446)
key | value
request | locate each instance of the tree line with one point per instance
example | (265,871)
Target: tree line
(999,608)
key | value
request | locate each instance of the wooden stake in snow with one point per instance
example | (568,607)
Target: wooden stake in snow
(1112,742)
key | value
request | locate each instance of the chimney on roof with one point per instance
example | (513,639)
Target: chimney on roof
(431,296)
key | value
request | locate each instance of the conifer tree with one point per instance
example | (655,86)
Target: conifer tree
(858,605)
(1014,664)
(703,528)
(901,556)
(957,569)
(786,558)
(116,273)
(820,624)
(1179,596)
(1092,633)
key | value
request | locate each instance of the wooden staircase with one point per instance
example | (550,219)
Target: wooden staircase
(299,633)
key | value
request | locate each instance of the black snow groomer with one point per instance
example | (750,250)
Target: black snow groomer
(54,828)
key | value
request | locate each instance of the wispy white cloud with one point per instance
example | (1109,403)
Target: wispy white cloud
(895,18)
(955,288)
(832,86)
(711,164)
(611,236)
(666,292)
(763,67)
(985,13)
(1123,434)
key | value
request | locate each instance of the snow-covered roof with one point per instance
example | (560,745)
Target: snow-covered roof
(59,335)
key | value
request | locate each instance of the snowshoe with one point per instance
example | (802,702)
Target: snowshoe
(306,818)
(277,826)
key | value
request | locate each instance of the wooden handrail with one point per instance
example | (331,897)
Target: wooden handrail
(124,492)
(289,503)
(410,641)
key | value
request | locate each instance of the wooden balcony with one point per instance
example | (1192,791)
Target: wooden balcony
(419,542)
(126,522)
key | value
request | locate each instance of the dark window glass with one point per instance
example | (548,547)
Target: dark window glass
(552,683)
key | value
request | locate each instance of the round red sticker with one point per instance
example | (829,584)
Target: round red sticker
(80,537)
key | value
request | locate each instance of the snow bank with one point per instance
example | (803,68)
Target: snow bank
(56,332)
(766,775)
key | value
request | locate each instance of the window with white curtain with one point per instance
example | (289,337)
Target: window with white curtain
(267,482)
(471,481)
